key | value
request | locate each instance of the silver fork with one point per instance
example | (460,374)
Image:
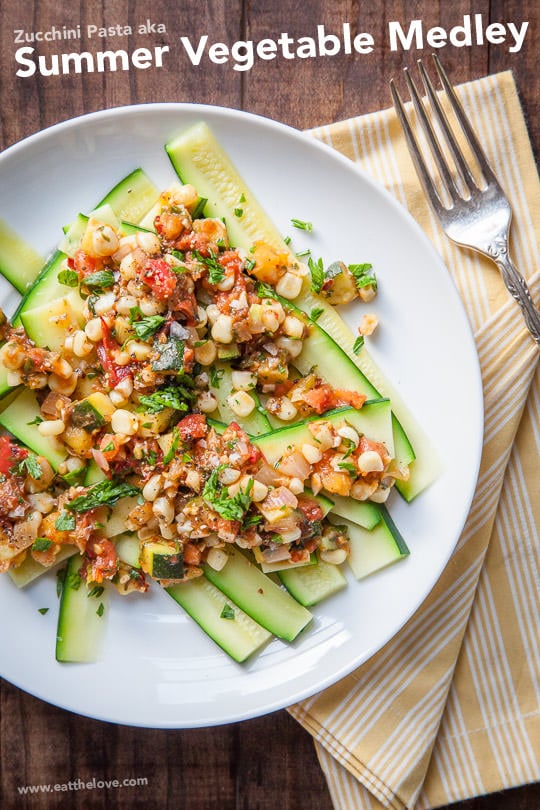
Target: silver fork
(473,215)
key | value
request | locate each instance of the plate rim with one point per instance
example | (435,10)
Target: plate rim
(419,234)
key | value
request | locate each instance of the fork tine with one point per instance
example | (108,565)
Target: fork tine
(442,120)
(470,135)
(429,132)
(414,151)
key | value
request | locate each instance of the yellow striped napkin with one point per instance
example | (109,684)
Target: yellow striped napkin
(450,708)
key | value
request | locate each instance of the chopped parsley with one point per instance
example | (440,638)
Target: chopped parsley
(176,397)
(227,612)
(41,544)
(358,344)
(29,465)
(169,455)
(68,277)
(104,493)
(216,271)
(239,212)
(217,496)
(43,611)
(302,225)
(215,376)
(318,278)
(316,313)
(249,264)
(265,290)
(101,609)
(96,591)
(348,466)
(65,522)
(145,326)
(363,275)
(37,421)
(102,278)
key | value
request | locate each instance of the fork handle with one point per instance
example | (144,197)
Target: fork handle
(517,287)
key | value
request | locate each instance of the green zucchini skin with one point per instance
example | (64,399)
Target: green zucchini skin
(30,569)
(375,549)
(230,627)
(198,158)
(132,197)
(259,597)
(373,420)
(256,423)
(310,584)
(81,618)
(17,418)
(19,262)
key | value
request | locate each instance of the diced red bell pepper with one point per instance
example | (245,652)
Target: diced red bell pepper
(192,427)
(10,454)
(160,278)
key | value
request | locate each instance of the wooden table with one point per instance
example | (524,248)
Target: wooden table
(269,762)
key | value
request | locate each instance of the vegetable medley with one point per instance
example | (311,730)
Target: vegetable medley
(175,322)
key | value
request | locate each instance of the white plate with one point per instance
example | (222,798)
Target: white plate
(158,668)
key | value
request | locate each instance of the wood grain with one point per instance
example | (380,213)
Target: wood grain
(268,762)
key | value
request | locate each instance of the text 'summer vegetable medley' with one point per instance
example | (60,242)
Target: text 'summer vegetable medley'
(183,404)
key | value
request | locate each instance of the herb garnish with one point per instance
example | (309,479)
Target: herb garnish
(104,493)
(65,522)
(169,455)
(215,375)
(348,466)
(318,278)
(265,290)
(41,544)
(144,326)
(358,344)
(316,313)
(216,271)
(29,465)
(170,397)
(217,496)
(68,277)
(363,275)
(102,278)
(227,612)
(302,225)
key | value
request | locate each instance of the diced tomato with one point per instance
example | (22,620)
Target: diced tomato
(323,398)
(160,278)
(369,444)
(10,454)
(310,508)
(188,307)
(103,560)
(83,264)
(231,260)
(352,398)
(320,399)
(192,427)
(192,554)
(106,351)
